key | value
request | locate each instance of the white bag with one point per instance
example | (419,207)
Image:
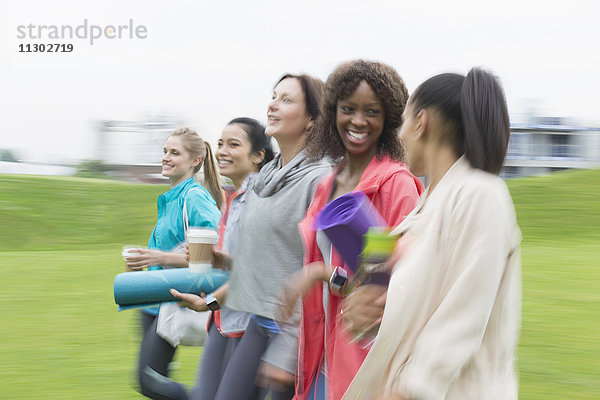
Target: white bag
(180,325)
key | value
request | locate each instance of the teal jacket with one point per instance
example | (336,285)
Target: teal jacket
(201,209)
(168,232)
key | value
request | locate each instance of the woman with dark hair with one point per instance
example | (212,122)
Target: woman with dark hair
(241,151)
(184,154)
(452,314)
(269,249)
(362,111)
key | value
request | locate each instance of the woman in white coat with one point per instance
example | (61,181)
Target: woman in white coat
(452,314)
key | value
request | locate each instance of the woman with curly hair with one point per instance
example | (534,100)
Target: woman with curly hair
(452,315)
(362,111)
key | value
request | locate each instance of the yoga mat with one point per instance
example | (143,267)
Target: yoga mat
(345,220)
(145,288)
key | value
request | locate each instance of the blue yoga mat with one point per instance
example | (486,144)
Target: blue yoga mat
(145,288)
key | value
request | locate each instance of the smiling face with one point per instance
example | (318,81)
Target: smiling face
(177,163)
(286,114)
(234,154)
(359,120)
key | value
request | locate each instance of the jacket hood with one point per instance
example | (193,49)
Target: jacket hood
(273,177)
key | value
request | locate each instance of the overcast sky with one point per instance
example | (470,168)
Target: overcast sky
(210,61)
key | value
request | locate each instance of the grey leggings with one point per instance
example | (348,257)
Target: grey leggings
(153,368)
(229,365)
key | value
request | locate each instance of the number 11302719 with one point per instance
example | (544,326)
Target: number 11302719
(45,48)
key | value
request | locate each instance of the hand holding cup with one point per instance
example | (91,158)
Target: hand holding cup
(221,260)
(129,253)
(200,244)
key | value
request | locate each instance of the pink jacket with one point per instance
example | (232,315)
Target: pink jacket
(394,192)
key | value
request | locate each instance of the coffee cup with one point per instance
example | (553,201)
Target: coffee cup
(130,251)
(201,242)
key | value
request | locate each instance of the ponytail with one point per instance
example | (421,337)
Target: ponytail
(197,147)
(211,176)
(475,115)
(485,120)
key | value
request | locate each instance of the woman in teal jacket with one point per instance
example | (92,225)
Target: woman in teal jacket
(184,154)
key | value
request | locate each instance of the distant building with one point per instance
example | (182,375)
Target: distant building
(20,168)
(548,146)
(7,155)
(132,150)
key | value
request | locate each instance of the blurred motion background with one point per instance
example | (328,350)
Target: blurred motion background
(82,135)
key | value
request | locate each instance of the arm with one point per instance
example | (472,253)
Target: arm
(197,302)
(363,307)
(146,258)
(278,363)
(222,260)
(298,285)
(272,377)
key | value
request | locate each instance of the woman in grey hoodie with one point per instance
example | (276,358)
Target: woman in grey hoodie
(270,250)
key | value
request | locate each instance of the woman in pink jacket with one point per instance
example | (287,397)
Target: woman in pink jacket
(362,112)
(452,315)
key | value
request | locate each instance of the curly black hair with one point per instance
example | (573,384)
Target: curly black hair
(324,140)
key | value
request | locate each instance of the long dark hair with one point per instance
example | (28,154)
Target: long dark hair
(475,112)
(255,131)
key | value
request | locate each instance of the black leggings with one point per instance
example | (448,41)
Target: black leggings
(153,368)
(229,365)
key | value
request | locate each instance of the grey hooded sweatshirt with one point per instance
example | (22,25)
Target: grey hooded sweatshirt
(270,248)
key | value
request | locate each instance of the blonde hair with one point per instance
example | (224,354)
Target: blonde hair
(197,147)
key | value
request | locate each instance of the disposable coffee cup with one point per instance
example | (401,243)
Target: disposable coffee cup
(201,242)
(130,251)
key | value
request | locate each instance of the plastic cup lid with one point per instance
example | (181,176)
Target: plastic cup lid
(202,233)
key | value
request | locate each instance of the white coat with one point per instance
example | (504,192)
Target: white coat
(452,315)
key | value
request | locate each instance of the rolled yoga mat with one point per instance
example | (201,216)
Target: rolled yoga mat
(345,220)
(145,288)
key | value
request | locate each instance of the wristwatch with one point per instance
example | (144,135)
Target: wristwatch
(338,278)
(212,303)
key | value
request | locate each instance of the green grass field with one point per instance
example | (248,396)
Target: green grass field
(60,246)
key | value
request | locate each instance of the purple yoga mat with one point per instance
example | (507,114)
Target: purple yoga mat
(345,220)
